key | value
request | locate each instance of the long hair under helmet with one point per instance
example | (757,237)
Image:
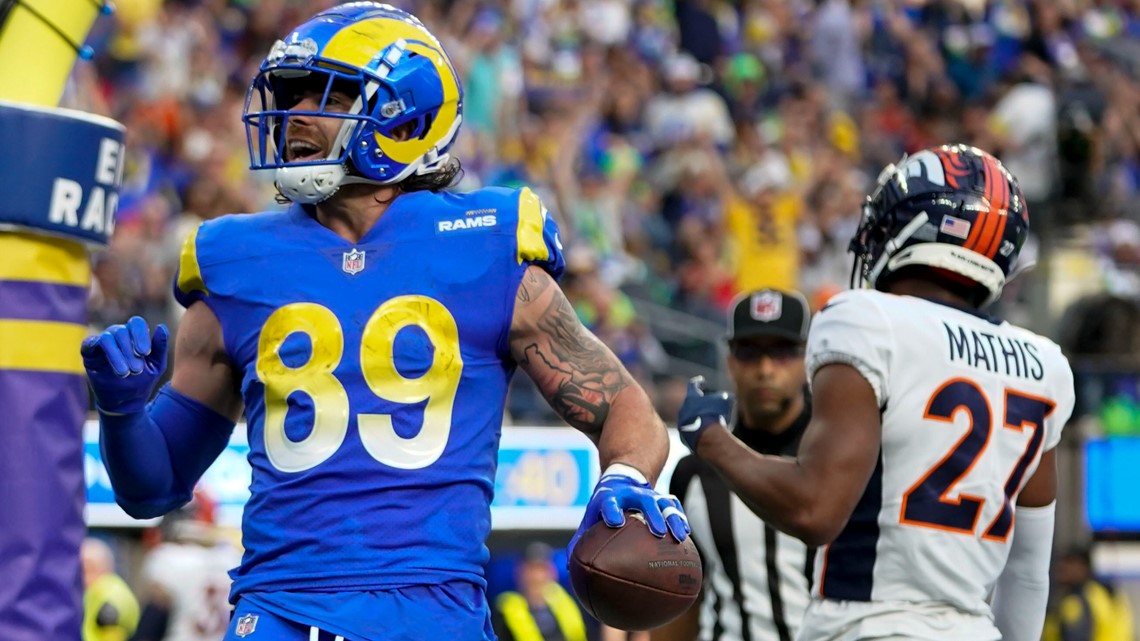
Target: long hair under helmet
(953,208)
(400,78)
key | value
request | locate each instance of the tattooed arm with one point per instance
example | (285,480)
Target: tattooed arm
(582,379)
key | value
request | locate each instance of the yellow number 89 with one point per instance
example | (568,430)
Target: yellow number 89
(315,378)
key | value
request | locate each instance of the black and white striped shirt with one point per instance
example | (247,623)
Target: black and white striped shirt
(757,580)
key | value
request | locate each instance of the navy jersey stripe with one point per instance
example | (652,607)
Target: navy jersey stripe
(809,567)
(849,567)
(779,617)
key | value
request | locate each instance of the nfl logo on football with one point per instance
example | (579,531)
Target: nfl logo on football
(246,625)
(766,306)
(353,262)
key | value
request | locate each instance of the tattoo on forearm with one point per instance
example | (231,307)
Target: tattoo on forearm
(585,376)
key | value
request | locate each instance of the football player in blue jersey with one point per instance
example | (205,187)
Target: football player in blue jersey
(368,333)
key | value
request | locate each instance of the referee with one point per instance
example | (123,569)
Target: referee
(757,580)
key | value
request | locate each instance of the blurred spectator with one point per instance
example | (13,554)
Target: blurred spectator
(1025,120)
(605,311)
(1107,323)
(185,577)
(686,111)
(541,609)
(706,28)
(110,610)
(761,218)
(1087,609)
(836,56)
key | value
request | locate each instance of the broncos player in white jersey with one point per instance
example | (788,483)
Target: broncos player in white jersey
(185,577)
(927,473)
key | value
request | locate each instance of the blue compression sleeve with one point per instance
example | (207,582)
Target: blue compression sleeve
(155,458)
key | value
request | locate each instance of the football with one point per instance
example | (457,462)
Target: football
(631,580)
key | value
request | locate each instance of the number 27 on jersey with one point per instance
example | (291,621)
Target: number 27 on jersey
(928,504)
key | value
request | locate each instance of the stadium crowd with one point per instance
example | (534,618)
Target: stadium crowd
(692,149)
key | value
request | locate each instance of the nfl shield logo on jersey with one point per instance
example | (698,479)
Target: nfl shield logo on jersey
(353,262)
(246,625)
(767,306)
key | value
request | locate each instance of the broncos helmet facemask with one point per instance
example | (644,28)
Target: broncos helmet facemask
(953,208)
(402,101)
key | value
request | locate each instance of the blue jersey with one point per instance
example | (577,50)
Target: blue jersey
(374,376)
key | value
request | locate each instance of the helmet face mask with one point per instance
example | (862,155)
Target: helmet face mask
(268,129)
(952,208)
(406,100)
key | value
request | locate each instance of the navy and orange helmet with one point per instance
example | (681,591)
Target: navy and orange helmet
(953,208)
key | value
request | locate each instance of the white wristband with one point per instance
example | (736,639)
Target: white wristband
(621,469)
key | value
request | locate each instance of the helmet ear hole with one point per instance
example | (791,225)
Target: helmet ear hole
(404,132)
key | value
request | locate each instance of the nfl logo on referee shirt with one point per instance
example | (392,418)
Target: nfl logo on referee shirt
(767,306)
(353,262)
(246,625)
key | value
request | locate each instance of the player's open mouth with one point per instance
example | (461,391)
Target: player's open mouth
(304,151)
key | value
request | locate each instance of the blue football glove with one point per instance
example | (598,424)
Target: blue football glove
(123,365)
(701,410)
(623,488)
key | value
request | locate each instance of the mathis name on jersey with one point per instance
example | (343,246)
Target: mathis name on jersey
(993,353)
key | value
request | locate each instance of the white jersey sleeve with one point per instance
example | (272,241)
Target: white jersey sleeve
(853,330)
(196,583)
(1064,395)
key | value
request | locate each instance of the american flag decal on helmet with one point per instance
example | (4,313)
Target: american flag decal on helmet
(954,226)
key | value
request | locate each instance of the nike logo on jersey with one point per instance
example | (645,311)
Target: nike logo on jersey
(831,304)
(698,423)
(691,427)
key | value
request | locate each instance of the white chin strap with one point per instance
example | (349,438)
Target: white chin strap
(313,184)
(310,184)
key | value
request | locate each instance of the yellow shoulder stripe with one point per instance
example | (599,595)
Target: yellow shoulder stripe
(532,217)
(189,273)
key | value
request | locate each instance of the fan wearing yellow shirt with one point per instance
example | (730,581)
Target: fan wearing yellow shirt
(761,223)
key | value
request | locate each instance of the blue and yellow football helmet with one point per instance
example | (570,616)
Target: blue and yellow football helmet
(953,208)
(407,110)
